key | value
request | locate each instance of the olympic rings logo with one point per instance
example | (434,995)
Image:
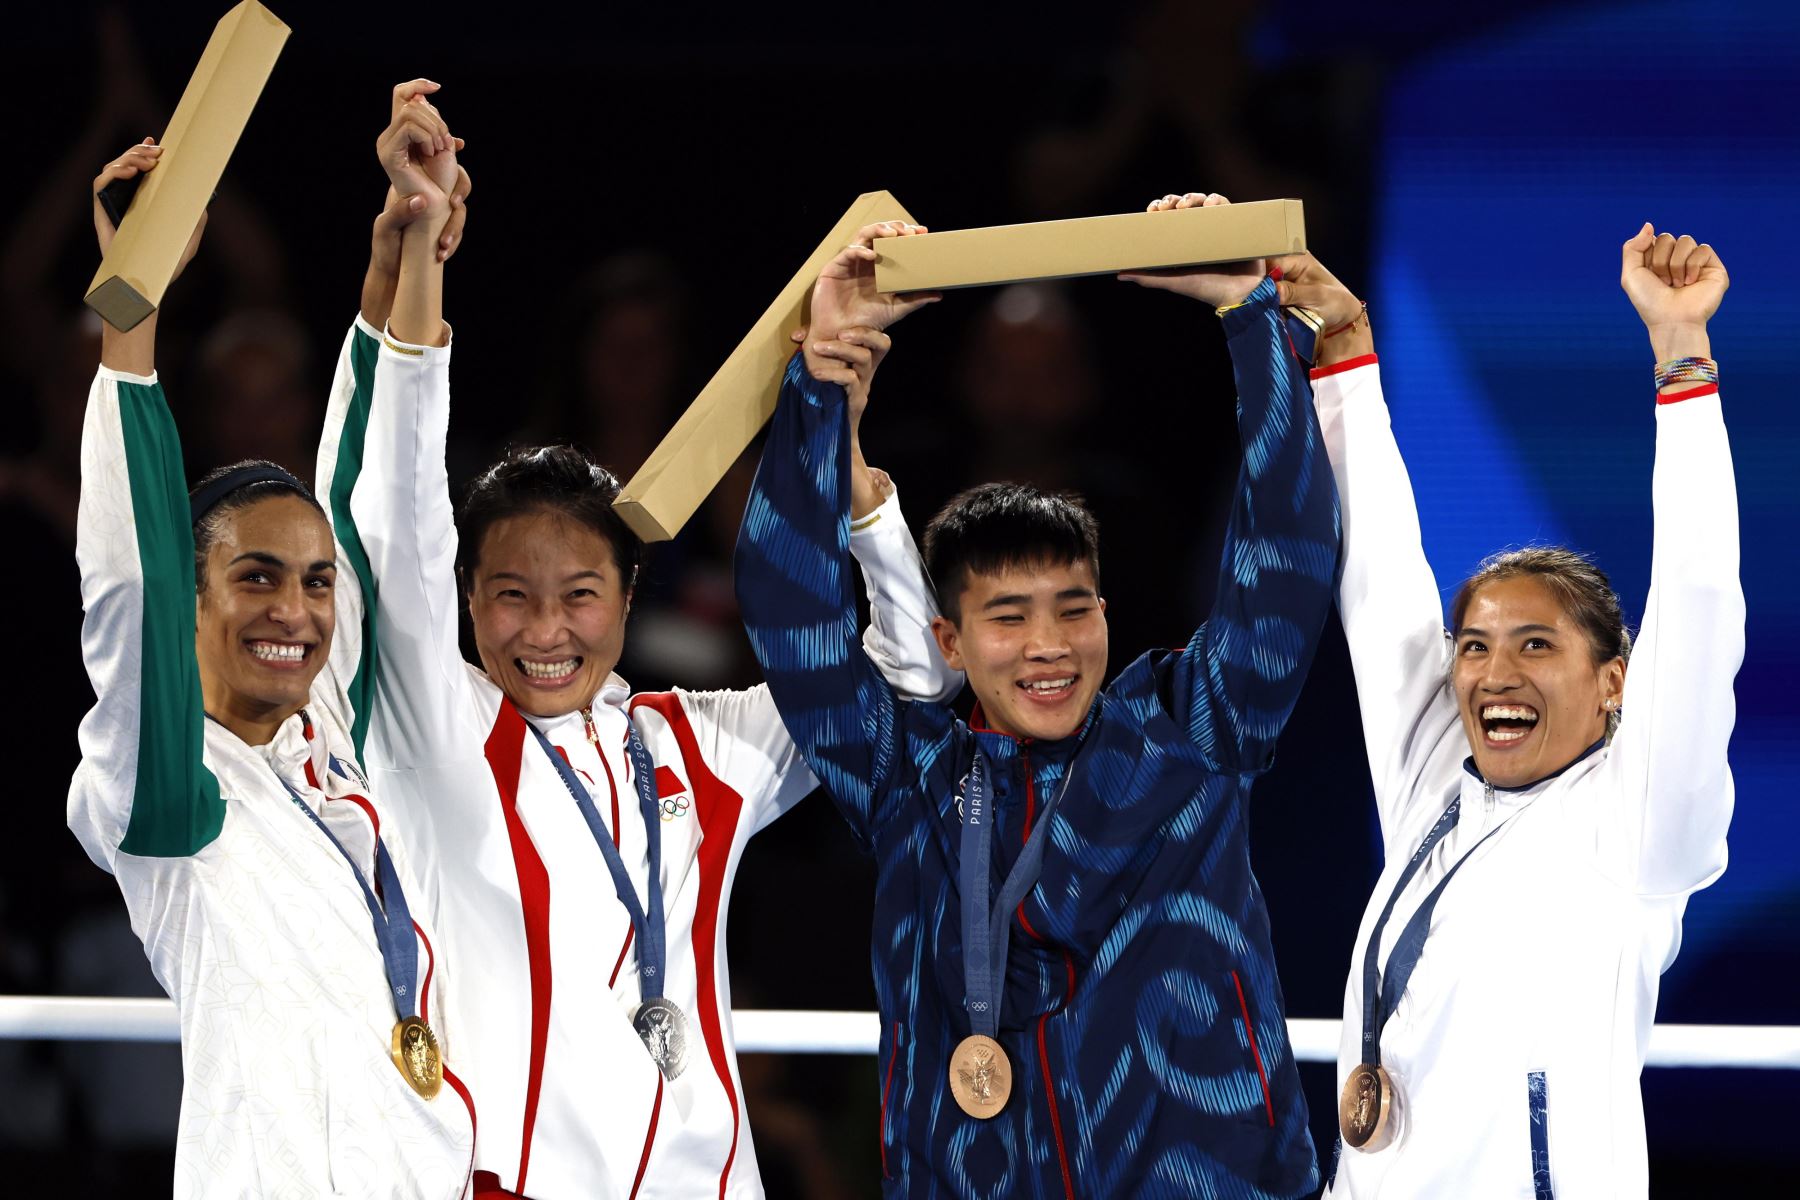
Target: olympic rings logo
(674,807)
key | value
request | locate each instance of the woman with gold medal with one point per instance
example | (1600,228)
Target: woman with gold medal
(220,783)
(1545,813)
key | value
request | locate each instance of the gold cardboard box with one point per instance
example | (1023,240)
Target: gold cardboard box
(740,397)
(1143,241)
(199,140)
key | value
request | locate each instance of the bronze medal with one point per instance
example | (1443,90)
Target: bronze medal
(1366,1109)
(415,1052)
(980,1076)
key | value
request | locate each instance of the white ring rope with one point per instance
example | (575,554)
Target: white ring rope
(793,1031)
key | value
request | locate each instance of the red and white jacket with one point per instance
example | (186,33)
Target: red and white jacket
(568,1102)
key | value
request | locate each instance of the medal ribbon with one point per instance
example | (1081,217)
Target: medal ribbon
(647,922)
(393,924)
(1382,989)
(987,931)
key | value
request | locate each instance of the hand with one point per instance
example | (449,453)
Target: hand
(140,159)
(1218,284)
(845,294)
(1305,283)
(418,152)
(850,360)
(1675,285)
(399,212)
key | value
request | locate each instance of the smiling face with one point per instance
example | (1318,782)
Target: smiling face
(548,607)
(1033,642)
(1531,696)
(264,620)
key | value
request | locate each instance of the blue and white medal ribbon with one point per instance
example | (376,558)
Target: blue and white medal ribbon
(413,1046)
(980,1074)
(658,1020)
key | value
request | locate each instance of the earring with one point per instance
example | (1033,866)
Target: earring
(1611,704)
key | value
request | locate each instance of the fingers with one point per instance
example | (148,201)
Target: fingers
(1152,279)
(841,350)
(398,212)
(799,335)
(418,125)
(451,238)
(868,337)
(826,371)
(1187,200)
(1704,256)
(848,260)
(886,229)
(1660,253)
(406,91)
(1679,272)
(139,158)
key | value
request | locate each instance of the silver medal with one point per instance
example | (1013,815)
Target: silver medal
(664,1029)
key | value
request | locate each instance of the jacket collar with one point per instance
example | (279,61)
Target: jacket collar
(1469,766)
(1005,745)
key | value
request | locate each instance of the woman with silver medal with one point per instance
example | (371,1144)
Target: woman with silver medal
(219,783)
(1545,815)
(579,841)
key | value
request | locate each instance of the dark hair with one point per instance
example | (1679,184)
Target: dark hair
(558,478)
(1582,588)
(998,526)
(206,529)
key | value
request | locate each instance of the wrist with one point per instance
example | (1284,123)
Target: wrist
(1679,341)
(1351,343)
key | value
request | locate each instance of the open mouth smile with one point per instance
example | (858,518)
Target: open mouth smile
(549,675)
(1048,691)
(1507,724)
(280,655)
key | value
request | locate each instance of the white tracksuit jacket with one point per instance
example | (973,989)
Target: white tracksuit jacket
(569,1103)
(252,920)
(1521,1035)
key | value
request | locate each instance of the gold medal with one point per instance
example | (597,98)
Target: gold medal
(1366,1109)
(415,1051)
(980,1076)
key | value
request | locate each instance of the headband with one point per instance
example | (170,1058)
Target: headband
(204,499)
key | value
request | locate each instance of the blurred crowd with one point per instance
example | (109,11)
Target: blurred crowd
(1062,385)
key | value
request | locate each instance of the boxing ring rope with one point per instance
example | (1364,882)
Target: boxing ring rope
(792,1031)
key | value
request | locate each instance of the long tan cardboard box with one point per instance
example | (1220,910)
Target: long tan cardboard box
(1142,241)
(740,397)
(200,138)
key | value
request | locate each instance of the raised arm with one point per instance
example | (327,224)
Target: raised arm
(1241,674)
(381,469)
(1674,794)
(142,787)
(1387,595)
(898,639)
(794,579)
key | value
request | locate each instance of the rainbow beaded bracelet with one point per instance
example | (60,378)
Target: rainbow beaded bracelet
(1686,370)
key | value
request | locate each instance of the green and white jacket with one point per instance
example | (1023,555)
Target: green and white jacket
(251,919)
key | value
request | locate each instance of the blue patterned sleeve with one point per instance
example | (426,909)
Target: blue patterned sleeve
(796,585)
(1243,668)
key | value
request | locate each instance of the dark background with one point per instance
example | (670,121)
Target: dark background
(644,184)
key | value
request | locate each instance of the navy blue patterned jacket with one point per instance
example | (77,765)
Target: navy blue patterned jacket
(1141,1010)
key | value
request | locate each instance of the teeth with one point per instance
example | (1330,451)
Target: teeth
(550,670)
(1506,735)
(1046,686)
(277,651)
(1508,712)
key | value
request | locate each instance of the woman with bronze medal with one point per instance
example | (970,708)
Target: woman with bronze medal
(1545,813)
(219,783)
(578,841)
